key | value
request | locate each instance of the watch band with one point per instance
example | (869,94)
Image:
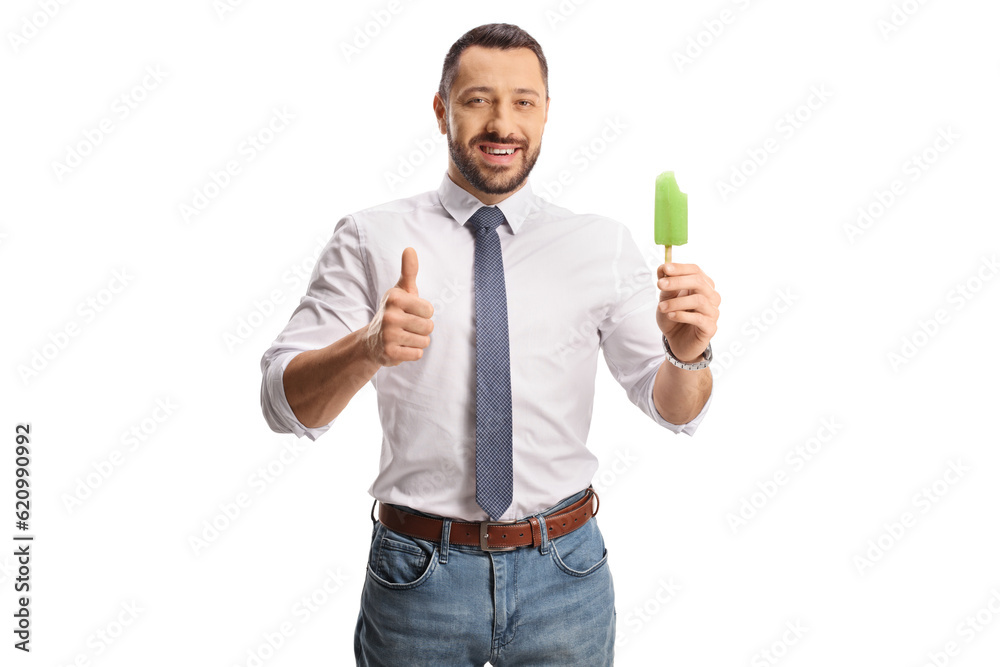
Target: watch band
(695,366)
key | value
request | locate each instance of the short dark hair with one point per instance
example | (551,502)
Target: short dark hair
(493,36)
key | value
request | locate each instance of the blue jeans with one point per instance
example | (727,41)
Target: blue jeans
(434,603)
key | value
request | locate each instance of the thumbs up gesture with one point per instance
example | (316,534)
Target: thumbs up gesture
(401,328)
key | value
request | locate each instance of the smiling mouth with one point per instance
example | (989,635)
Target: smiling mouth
(491,150)
(499,154)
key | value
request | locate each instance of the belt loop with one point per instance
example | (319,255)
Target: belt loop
(544,548)
(445,536)
(536,531)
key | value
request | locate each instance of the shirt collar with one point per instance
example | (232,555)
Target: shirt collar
(461,204)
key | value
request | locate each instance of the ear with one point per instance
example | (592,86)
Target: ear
(545,118)
(441,113)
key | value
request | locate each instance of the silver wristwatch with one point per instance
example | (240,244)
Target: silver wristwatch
(696,366)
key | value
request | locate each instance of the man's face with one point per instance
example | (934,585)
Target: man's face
(494,119)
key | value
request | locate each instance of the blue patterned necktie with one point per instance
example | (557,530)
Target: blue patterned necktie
(494,440)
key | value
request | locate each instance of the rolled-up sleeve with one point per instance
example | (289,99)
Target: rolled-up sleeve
(337,302)
(630,339)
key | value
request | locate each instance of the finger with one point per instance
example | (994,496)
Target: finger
(710,294)
(402,352)
(704,323)
(680,270)
(408,271)
(680,282)
(696,302)
(408,339)
(405,338)
(416,324)
(396,321)
(676,269)
(412,304)
(698,282)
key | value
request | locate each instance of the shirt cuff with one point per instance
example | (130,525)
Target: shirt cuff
(277,412)
(689,427)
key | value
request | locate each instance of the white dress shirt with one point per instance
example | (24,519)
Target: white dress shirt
(574,283)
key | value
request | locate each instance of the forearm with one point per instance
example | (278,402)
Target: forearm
(679,394)
(320,383)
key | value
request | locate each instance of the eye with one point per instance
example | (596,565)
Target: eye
(476,100)
(526,103)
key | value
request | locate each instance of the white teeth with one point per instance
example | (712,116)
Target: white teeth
(498,151)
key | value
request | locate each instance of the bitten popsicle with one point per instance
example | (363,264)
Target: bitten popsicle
(670,220)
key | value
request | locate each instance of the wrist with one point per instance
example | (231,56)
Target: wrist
(701,361)
(365,348)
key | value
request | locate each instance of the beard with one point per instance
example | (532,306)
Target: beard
(490,178)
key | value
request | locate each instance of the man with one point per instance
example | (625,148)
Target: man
(485,396)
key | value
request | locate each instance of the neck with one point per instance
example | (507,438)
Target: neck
(487,199)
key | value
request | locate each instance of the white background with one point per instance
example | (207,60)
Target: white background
(812,314)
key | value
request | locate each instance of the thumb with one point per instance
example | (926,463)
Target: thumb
(408,272)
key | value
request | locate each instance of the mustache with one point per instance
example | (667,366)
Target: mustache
(494,138)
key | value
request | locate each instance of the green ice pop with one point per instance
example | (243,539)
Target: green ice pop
(670,221)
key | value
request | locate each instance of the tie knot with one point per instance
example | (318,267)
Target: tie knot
(487,218)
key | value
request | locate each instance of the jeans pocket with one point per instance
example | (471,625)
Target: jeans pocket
(580,552)
(399,561)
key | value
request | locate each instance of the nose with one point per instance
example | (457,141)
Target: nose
(500,121)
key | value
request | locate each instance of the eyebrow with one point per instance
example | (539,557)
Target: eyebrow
(488,89)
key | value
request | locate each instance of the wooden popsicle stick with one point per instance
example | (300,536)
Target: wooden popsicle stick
(668,253)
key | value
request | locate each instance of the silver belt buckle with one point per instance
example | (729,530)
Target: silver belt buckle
(484,534)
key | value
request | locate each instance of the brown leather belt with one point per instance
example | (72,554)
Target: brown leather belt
(493,535)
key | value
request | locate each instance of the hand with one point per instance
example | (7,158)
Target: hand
(401,328)
(688,311)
